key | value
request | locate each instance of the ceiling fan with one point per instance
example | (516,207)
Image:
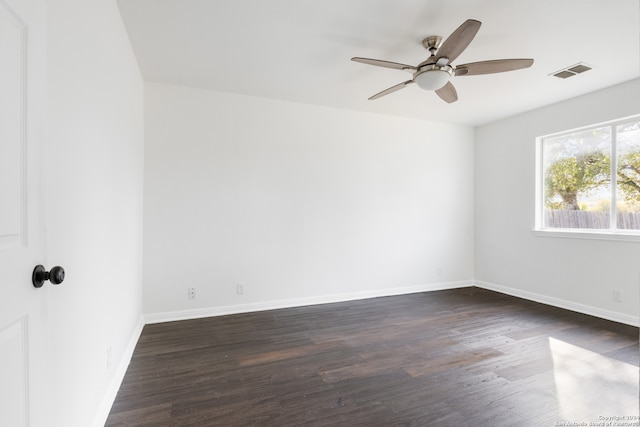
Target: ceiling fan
(436,71)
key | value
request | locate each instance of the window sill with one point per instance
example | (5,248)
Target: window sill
(591,235)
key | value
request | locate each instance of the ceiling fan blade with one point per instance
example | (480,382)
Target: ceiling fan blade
(459,40)
(448,93)
(390,90)
(493,66)
(386,64)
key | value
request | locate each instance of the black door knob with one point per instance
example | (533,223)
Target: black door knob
(40,275)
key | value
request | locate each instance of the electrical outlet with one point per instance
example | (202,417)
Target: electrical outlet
(240,288)
(617,295)
(191,293)
(109,360)
(439,272)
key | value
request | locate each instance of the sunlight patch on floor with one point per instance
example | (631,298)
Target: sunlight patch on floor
(578,372)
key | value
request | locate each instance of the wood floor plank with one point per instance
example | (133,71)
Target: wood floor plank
(463,357)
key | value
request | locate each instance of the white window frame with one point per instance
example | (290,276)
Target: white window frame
(581,233)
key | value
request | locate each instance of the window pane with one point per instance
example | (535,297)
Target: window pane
(577,179)
(628,192)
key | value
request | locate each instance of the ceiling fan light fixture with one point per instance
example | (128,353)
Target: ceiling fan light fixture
(432,79)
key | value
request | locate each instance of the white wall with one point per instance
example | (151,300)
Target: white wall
(575,273)
(93,177)
(300,203)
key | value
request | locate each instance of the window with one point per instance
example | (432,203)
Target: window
(589,179)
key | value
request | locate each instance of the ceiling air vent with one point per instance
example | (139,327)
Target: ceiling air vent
(571,71)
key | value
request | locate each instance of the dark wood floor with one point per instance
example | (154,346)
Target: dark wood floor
(466,357)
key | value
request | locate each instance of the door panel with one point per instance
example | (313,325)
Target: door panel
(13,390)
(24,385)
(12,128)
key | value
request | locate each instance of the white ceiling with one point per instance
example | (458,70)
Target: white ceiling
(300,50)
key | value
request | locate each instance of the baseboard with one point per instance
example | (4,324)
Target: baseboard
(118,376)
(297,302)
(561,303)
(171,316)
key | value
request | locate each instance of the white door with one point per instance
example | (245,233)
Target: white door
(23,336)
